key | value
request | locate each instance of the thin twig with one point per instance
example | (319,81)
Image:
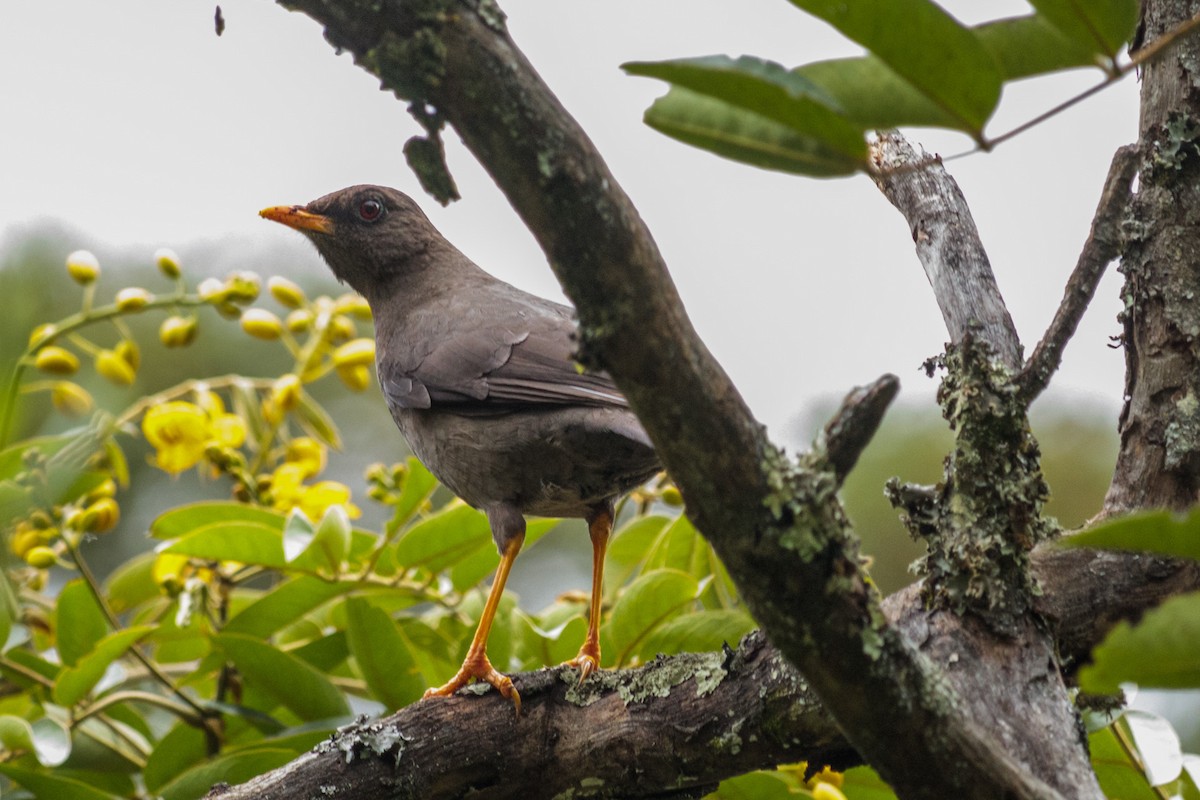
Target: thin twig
(1102,246)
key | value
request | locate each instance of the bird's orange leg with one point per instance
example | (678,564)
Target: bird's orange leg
(588,660)
(476,664)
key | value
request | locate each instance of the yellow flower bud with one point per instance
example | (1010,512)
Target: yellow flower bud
(271,411)
(211,290)
(359,352)
(177,331)
(228,430)
(167,261)
(101,516)
(56,360)
(128,350)
(354,305)
(106,489)
(827,791)
(24,539)
(341,328)
(286,392)
(42,334)
(286,292)
(243,286)
(133,298)
(83,267)
(299,321)
(356,378)
(114,368)
(71,398)
(262,324)
(41,557)
(672,497)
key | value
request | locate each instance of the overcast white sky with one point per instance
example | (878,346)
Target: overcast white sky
(135,124)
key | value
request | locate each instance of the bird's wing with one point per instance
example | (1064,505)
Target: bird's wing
(492,367)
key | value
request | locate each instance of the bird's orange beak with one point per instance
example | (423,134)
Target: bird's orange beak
(296,217)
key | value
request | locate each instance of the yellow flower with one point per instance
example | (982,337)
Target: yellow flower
(308,454)
(285,391)
(228,430)
(287,486)
(356,377)
(179,432)
(316,499)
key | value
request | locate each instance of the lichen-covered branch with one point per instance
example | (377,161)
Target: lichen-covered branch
(635,732)
(1102,246)
(947,243)
(851,429)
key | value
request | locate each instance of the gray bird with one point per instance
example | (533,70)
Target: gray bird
(481,381)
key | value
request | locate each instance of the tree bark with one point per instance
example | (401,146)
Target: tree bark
(1158,464)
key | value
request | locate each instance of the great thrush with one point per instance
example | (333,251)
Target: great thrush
(480,379)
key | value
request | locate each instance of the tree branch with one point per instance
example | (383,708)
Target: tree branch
(948,244)
(1102,246)
(630,733)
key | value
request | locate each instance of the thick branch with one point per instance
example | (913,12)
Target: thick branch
(636,731)
(948,245)
(1102,246)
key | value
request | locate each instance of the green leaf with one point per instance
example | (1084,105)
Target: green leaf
(75,682)
(1157,743)
(286,678)
(741,135)
(231,768)
(51,742)
(648,603)
(419,483)
(78,622)
(1102,26)
(1160,651)
(316,421)
(132,584)
(10,607)
(445,538)
(1029,45)
(927,47)
(48,786)
(181,747)
(1163,532)
(675,547)
(285,604)
(474,568)
(1119,776)
(754,786)
(767,89)
(16,734)
(322,549)
(382,655)
(863,783)
(234,519)
(699,632)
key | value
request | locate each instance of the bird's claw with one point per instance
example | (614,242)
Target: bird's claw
(587,662)
(479,669)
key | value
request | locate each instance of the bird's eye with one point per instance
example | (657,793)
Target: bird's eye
(370,210)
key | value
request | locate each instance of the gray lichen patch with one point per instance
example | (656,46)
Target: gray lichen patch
(1183,432)
(656,679)
(359,739)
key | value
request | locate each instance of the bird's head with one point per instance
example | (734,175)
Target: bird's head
(367,234)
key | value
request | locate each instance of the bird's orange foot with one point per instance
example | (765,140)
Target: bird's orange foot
(479,668)
(587,662)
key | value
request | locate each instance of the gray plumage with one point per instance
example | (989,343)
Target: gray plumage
(479,375)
